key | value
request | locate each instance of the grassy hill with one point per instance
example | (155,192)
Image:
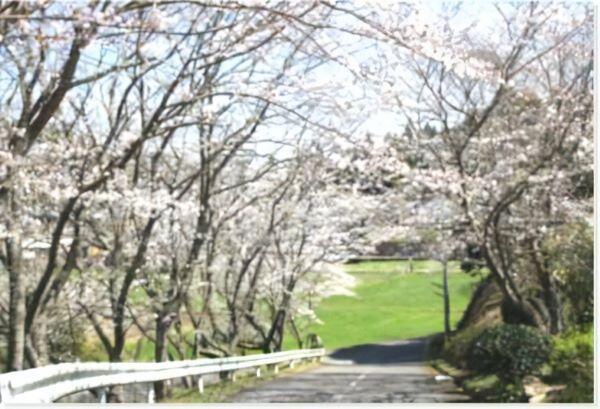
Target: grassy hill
(390,303)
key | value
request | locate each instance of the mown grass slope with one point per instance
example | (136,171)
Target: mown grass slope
(391,302)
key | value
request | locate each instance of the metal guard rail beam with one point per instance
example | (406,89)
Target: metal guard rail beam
(49,383)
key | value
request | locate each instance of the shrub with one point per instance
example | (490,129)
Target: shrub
(467,265)
(456,349)
(510,351)
(571,258)
(572,363)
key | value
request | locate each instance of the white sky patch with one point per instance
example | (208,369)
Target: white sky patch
(382,123)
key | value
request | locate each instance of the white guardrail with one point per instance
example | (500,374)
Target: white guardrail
(49,383)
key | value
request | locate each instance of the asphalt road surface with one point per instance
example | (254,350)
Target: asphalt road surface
(389,372)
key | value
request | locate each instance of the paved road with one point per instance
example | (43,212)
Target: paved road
(390,372)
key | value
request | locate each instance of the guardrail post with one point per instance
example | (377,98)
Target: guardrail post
(5,392)
(275,369)
(227,375)
(103,395)
(151,396)
(292,363)
(188,381)
(258,372)
(200,385)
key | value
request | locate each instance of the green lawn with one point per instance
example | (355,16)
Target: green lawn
(390,303)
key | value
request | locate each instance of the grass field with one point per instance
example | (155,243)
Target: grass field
(390,303)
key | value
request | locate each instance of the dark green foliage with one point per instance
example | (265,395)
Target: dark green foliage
(572,363)
(456,349)
(513,313)
(474,252)
(510,351)
(583,185)
(473,260)
(467,265)
(571,258)
(513,393)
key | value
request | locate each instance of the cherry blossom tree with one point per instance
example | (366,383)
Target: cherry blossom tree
(80,126)
(194,168)
(499,128)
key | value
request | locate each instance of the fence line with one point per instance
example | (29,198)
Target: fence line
(49,383)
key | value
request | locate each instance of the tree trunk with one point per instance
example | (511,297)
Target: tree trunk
(274,338)
(273,341)
(119,345)
(31,355)
(296,333)
(160,352)
(197,344)
(523,309)
(163,324)
(446,301)
(17,307)
(523,312)
(555,310)
(549,289)
(39,341)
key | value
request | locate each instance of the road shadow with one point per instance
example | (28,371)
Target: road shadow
(383,354)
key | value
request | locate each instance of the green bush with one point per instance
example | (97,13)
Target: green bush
(510,351)
(572,363)
(571,258)
(457,348)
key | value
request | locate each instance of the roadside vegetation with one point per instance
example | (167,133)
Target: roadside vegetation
(502,360)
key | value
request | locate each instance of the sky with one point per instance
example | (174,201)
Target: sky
(372,120)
